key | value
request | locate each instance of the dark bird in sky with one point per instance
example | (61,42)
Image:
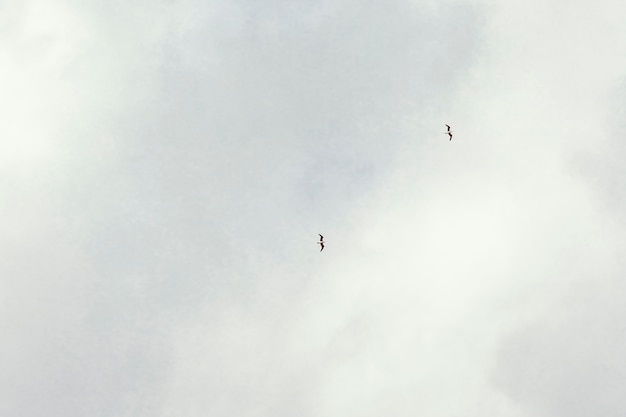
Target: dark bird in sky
(449,132)
(321,242)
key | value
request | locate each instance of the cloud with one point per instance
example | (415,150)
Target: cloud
(167,170)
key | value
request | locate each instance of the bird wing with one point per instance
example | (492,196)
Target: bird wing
(448,127)
(322,245)
(321,237)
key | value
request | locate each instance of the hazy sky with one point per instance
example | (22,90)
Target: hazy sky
(165,169)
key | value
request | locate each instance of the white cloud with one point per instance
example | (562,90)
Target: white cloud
(167,170)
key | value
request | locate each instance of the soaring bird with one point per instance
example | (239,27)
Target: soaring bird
(321,242)
(449,132)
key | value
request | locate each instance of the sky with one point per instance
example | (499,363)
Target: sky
(166,167)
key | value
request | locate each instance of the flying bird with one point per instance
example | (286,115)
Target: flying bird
(321,242)
(449,132)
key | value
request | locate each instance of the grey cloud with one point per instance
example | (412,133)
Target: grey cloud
(159,225)
(568,362)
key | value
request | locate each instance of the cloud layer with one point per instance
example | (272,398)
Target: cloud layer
(166,169)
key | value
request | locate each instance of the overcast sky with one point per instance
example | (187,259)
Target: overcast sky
(165,169)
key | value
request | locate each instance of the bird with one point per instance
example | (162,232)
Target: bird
(321,242)
(449,132)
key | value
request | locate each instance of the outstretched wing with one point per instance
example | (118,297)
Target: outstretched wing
(322,245)
(321,237)
(448,127)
